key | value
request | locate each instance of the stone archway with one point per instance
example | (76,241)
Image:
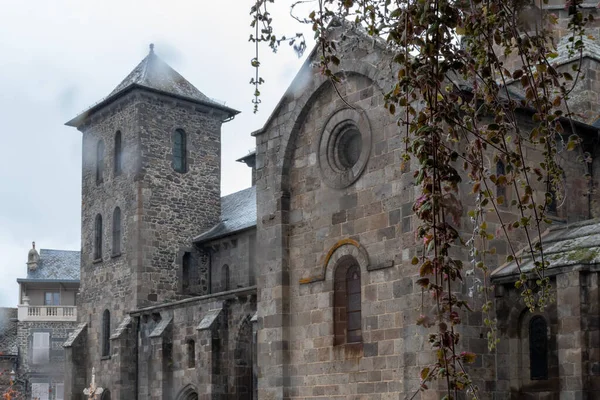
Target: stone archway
(243,362)
(188,393)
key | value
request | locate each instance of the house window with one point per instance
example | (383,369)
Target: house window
(347,302)
(500,189)
(41,348)
(98,238)
(52,299)
(185,271)
(118,161)
(225,278)
(538,348)
(106,333)
(191,353)
(60,391)
(99,162)
(179,151)
(40,391)
(116,232)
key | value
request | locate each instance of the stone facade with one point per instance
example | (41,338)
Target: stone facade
(51,372)
(266,311)
(313,225)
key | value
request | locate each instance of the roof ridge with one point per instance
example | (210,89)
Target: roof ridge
(74,251)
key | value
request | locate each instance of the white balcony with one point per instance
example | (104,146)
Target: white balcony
(47,313)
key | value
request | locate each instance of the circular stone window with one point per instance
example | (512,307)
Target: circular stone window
(344,147)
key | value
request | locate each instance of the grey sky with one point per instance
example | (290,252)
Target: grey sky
(59,57)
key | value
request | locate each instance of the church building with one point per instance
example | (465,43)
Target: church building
(302,286)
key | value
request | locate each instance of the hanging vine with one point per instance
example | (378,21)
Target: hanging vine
(452,99)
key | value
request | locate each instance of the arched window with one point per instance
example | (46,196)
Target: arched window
(98,238)
(353,305)
(179,151)
(500,189)
(225,284)
(538,348)
(185,271)
(116,232)
(99,162)
(347,302)
(118,161)
(105,333)
(191,353)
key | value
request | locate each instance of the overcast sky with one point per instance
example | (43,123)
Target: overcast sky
(59,57)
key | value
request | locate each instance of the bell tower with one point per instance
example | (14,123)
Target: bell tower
(150,182)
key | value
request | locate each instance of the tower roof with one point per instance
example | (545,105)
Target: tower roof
(153,74)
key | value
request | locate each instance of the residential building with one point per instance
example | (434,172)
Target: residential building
(47,314)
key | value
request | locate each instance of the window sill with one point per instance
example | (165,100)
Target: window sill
(97,261)
(115,255)
(105,358)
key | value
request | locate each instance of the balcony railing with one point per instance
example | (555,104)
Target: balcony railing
(47,313)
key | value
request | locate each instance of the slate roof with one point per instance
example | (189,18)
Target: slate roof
(565,246)
(591,50)
(60,265)
(154,74)
(238,212)
(8,332)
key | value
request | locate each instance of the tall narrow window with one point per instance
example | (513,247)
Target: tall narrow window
(500,189)
(60,391)
(118,161)
(225,278)
(99,162)
(347,302)
(105,333)
(538,348)
(116,232)
(98,238)
(179,151)
(185,272)
(191,353)
(353,307)
(41,348)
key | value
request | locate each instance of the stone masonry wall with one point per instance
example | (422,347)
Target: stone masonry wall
(236,252)
(307,216)
(164,369)
(176,206)
(107,284)
(54,371)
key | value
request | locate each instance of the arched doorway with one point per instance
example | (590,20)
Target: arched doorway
(188,393)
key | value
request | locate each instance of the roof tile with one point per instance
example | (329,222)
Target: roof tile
(8,332)
(57,264)
(238,212)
